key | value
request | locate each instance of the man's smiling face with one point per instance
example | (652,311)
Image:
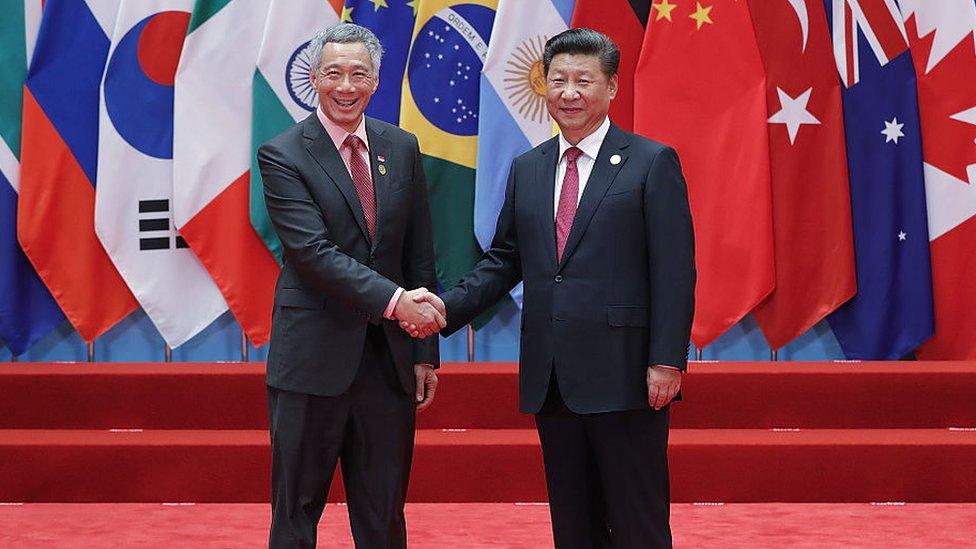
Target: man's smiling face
(345,82)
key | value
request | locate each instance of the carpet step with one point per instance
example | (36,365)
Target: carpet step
(707,465)
(753,395)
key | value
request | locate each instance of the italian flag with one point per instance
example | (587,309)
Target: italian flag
(211,156)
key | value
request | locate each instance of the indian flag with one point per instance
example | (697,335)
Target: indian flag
(211,156)
(282,92)
(440,105)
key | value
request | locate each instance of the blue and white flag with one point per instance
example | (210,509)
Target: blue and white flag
(892,313)
(513,116)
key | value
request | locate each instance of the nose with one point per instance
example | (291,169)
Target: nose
(570,92)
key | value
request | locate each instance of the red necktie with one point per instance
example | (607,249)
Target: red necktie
(361,178)
(568,196)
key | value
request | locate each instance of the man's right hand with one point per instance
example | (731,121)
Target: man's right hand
(428,298)
(415,311)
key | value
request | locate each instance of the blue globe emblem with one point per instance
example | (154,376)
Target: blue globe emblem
(445,66)
(297,78)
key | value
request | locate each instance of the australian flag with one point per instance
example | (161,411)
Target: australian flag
(392,23)
(892,312)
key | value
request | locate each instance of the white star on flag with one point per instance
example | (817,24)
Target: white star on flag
(793,112)
(902,235)
(892,130)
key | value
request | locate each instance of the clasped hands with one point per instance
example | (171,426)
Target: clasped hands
(420,312)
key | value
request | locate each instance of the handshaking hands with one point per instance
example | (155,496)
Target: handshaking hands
(423,313)
(420,312)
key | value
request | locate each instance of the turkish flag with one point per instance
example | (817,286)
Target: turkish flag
(812,233)
(700,88)
(940,35)
(624,22)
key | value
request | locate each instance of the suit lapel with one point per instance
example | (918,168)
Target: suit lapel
(601,177)
(380,147)
(323,150)
(547,186)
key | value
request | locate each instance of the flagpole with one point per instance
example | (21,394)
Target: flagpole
(167,353)
(14,358)
(245,352)
(698,354)
(470,343)
(773,355)
(91,351)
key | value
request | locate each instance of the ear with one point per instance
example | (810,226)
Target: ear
(613,84)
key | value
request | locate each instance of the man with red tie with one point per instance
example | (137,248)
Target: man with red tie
(596,224)
(348,199)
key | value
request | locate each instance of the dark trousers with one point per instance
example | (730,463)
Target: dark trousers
(370,428)
(607,475)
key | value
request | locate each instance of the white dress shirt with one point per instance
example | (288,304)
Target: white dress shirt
(590,145)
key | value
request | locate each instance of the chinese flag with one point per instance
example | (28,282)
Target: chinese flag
(812,232)
(699,87)
(624,22)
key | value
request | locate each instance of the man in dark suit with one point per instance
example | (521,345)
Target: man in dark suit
(596,224)
(348,199)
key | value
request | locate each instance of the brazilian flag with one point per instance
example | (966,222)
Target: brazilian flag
(439,103)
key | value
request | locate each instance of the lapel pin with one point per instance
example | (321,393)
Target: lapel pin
(615,159)
(380,158)
(381,168)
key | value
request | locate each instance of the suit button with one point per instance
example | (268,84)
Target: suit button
(558,279)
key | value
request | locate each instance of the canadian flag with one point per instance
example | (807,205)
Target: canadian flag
(941,36)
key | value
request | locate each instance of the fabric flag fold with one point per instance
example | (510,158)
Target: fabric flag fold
(624,21)
(393,24)
(59,156)
(512,102)
(941,36)
(27,310)
(440,105)
(282,91)
(702,88)
(211,157)
(813,239)
(133,199)
(892,312)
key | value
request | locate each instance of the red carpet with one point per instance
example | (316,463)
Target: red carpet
(746,432)
(489,525)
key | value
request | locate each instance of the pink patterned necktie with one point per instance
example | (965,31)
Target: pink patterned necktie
(361,178)
(568,197)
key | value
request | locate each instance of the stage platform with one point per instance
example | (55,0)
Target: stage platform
(745,432)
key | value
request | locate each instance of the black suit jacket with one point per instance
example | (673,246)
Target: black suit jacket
(334,279)
(621,299)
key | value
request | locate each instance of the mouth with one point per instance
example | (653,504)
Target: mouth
(345,103)
(571,110)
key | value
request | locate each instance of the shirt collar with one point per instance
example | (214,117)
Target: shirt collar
(590,145)
(338,133)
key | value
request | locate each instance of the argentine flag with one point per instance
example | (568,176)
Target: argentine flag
(513,116)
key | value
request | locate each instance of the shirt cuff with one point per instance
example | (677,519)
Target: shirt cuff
(388,313)
(668,367)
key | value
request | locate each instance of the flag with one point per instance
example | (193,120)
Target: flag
(27,310)
(812,235)
(211,157)
(282,91)
(393,23)
(624,21)
(702,90)
(440,106)
(132,201)
(512,102)
(59,156)
(892,313)
(941,39)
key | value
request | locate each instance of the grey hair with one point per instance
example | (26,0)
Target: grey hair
(346,33)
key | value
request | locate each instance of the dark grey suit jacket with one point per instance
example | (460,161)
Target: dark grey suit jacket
(621,299)
(334,279)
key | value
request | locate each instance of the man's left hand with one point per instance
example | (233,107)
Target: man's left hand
(426,384)
(662,384)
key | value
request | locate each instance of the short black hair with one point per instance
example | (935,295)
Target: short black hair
(583,41)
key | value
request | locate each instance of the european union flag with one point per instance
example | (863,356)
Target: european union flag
(392,22)
(892,313)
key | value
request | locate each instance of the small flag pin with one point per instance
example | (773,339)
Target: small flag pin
(615,159)
(380,158)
